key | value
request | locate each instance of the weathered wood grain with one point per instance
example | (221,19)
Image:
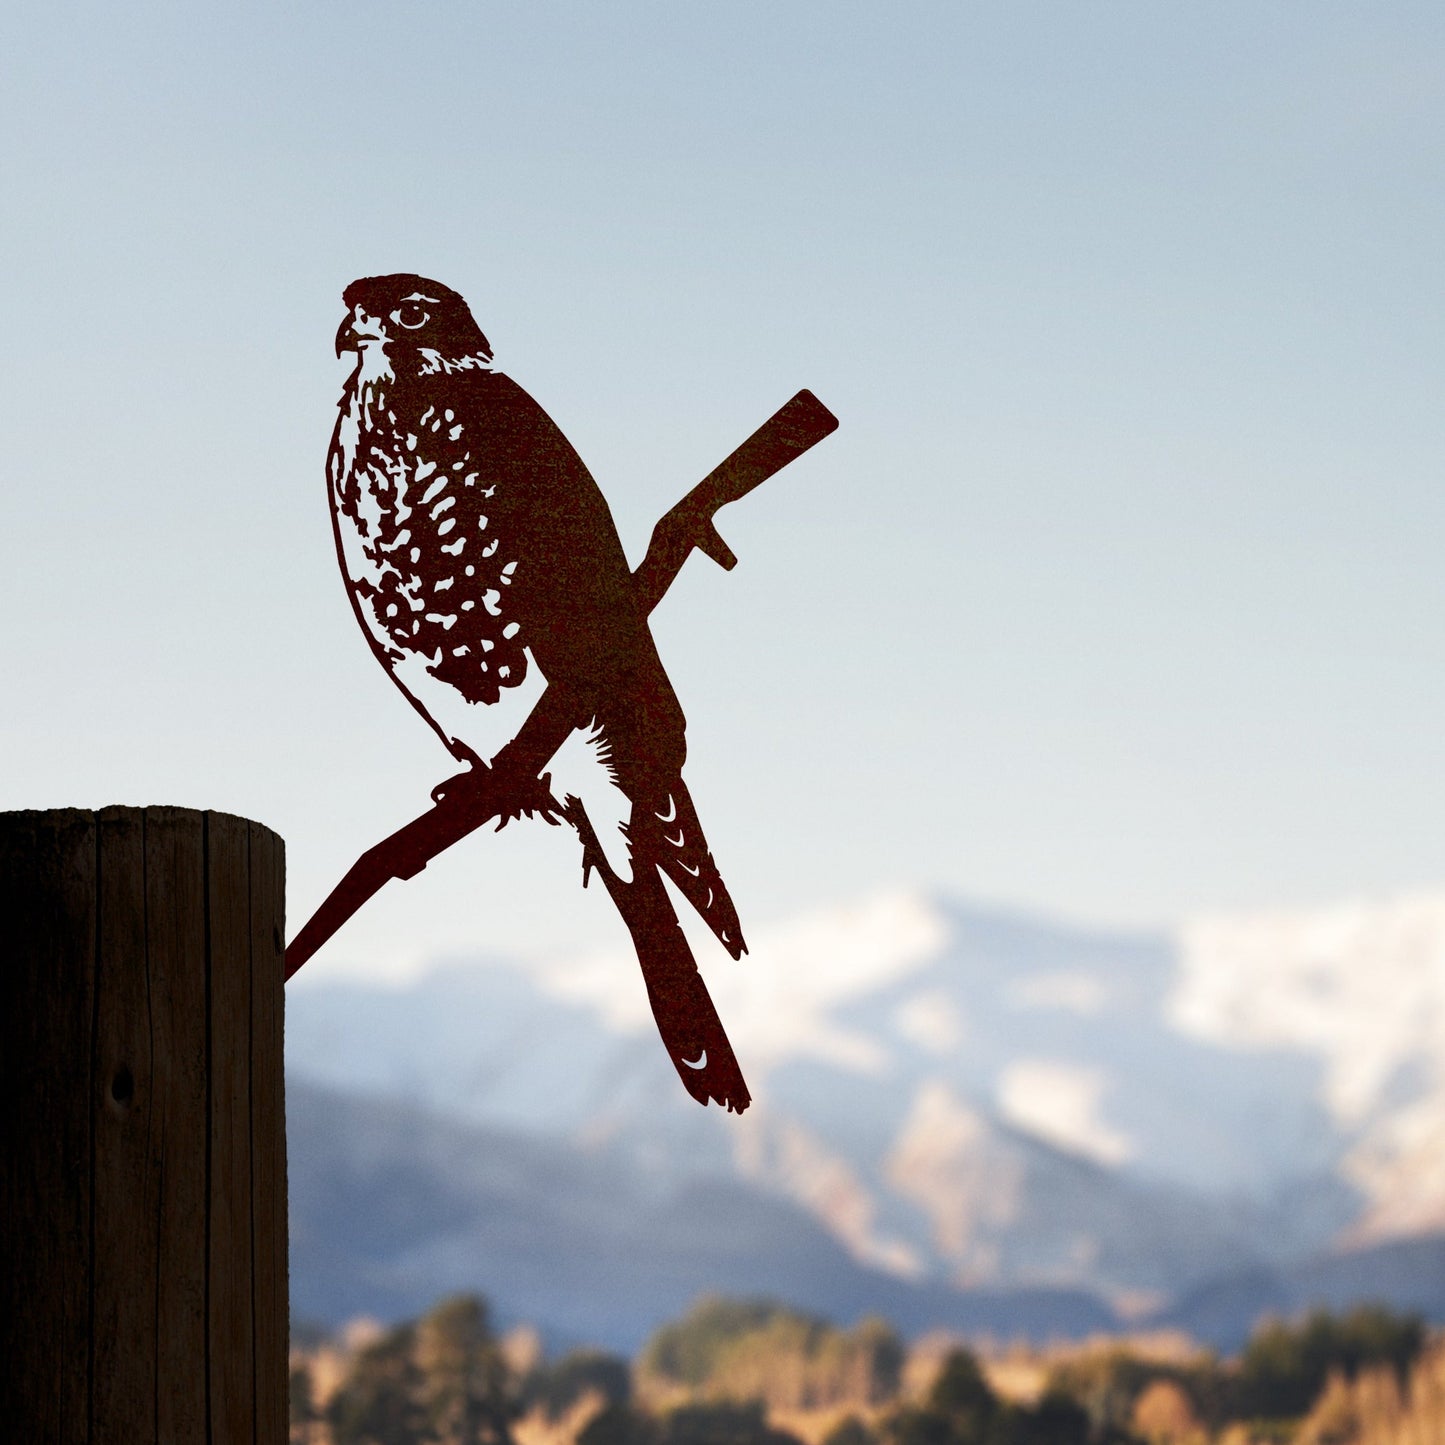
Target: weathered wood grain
(129,1113)
(232,1361)
(47,1014)
(176,946)
(144,1189)
(268,1129)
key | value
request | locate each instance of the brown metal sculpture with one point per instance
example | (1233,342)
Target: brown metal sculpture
(476,547)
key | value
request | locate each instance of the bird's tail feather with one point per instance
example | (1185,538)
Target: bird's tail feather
(683,855)
(691,1031)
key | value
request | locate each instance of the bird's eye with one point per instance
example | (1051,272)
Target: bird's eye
(411,316)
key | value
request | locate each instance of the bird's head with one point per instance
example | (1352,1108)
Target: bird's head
(419,327)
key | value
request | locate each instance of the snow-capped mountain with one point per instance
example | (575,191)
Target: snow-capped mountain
(1360,988)
(973,1098)
(393,1207)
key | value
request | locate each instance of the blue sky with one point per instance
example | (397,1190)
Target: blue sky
(1118,593)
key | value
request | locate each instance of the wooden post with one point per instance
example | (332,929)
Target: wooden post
(143,1196)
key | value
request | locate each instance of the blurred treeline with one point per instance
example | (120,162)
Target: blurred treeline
(753,1373)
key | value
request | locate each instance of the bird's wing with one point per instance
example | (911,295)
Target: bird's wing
(574,593)
(572,589)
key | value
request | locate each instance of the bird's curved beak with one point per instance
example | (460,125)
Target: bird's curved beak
(360,328)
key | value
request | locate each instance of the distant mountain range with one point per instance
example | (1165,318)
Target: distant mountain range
(962,1117)
(391,1208)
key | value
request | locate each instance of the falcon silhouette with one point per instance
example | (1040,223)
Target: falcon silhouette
(485,568)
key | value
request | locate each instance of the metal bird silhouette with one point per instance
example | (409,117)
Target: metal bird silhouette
(486,571)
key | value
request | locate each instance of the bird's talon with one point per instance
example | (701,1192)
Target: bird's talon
(523,797)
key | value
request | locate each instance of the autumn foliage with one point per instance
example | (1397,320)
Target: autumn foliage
(736,1372)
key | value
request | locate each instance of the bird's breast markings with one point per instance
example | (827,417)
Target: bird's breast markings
(671,813)
(700,1063)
